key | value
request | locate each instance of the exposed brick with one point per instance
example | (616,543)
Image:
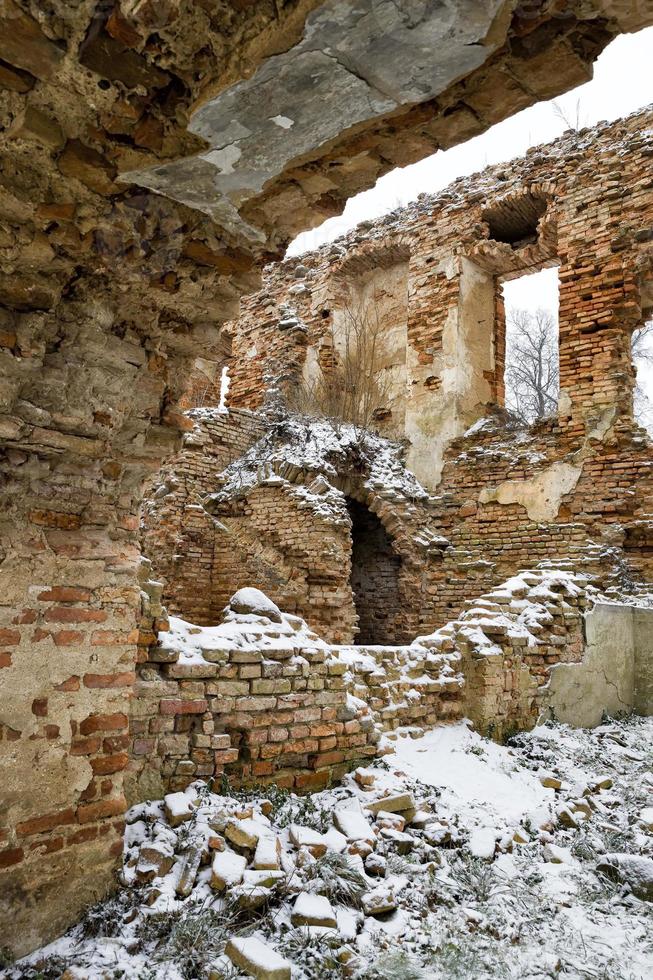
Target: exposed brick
(103,723)
(71,684)
(12,855)
(125,679)
(67,638)
(73,614)
(171,706)
(86,746)
(104,808)
(115,743)
(110,763)
(64,593)
(40,825)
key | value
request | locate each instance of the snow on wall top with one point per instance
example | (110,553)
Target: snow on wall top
(614,137)
(295,446)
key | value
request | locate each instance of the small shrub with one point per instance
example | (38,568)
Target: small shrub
(477,880)
(303,810)
(317,955)
(48,968)
(463,960)
(392,966)
(106,918)
(339,880)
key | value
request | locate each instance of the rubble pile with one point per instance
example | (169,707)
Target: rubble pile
(453,857)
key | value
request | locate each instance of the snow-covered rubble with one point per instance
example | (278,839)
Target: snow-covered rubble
(294,446)
(520,608)
(250,621)
(453,858)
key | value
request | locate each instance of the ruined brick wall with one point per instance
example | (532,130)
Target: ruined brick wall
(280,712)
(573,489)
(288,535)
(507,656)
(268,540)
(255,719)
(494,518)
(178,535)
(407,686)
(273,541)
(573,191)
(273,707)
(108,293)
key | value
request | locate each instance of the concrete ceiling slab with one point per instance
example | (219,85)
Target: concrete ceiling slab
(356,61)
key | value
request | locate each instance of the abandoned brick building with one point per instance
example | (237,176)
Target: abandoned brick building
(425,577)
(155,157)
(575,489)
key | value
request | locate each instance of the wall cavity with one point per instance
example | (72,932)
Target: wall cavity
(375,571)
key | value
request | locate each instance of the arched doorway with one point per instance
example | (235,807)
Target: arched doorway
(375,570)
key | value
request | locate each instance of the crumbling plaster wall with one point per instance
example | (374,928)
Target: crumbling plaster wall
(108,295)
(451,383)
(614,677)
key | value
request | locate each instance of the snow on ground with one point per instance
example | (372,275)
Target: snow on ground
(474,776)
(452,857)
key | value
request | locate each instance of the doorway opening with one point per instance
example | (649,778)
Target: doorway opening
(375,568)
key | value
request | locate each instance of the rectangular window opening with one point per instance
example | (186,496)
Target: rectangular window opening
(641,350)
(532,346)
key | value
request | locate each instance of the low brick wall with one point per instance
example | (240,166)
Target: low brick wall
(302,713)
(281,716)
(406,685)
(511,638)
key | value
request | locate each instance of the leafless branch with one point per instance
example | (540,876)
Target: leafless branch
(350,384)
(571,118)
(532,371)
(641,349)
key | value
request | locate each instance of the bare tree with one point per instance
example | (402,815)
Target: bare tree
(532,365)
(350,384)
(641,349)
